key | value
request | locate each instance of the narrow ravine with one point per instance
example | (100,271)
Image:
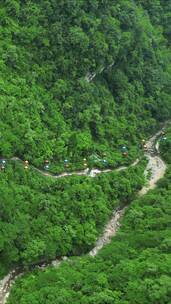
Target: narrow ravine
(155,168)
(109,231)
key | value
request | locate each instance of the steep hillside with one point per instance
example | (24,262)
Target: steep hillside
(44,218)
(50,49)
(80,79)
(133,269)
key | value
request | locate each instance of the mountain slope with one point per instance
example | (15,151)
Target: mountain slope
(49,48)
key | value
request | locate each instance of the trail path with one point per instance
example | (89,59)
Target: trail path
(155,166)
(85,172)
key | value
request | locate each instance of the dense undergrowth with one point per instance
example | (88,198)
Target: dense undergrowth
(43,218)
(49,109)
(133,269)
(165,145)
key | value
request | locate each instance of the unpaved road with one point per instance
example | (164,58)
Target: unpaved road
(155,166)
(85,172)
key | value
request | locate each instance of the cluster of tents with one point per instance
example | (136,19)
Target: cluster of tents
(94,157)
(46,165)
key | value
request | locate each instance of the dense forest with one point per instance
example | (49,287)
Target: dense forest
(49,50)
(42,219)
(80,79)
(133,269)
(165,146)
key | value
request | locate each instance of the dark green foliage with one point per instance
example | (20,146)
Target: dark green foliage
(165,145)
(42,218)
(49,109)
(133,269)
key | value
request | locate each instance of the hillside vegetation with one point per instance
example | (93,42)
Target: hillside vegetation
(79,79)
(133,269)
(42,218)
(48,49)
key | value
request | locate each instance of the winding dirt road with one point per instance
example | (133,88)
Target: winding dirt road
(85,172)
(155,168)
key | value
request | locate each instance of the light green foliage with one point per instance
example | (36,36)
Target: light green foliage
(134,268)
(47,50)
(49,109)
(165,145)
(42,218)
